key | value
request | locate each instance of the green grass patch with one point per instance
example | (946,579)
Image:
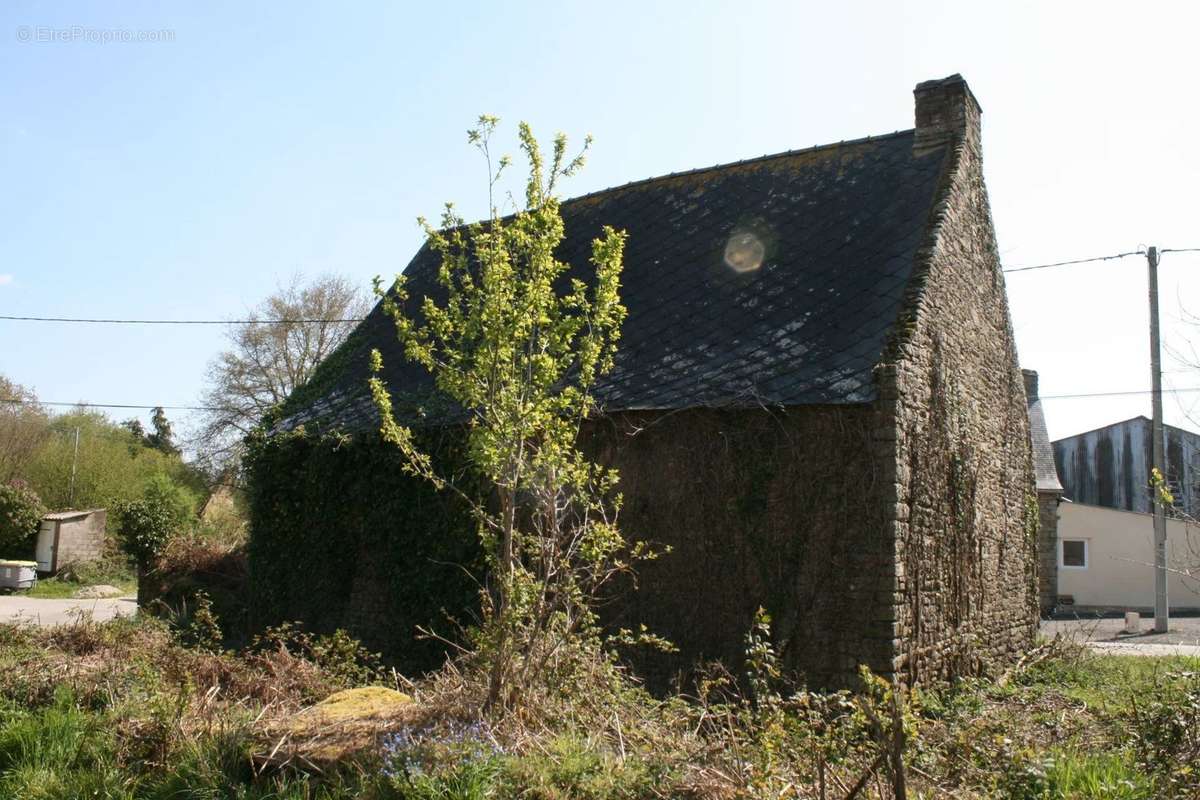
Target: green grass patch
(59,589)
(1096,776)
(114,570)
(1108,683)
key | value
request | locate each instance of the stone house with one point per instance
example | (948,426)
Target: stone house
(816,403)
(1049,496)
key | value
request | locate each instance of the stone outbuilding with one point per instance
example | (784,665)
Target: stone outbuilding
(816,403)
(70,537)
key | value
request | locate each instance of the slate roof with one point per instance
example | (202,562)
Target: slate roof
(710,323)
(1043,452)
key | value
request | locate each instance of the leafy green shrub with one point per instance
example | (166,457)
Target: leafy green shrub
(148,522)
(179,501)
(146,526)
(340,656)
(20,513)
(201,629)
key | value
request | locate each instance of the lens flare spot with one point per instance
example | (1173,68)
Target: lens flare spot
(744,252)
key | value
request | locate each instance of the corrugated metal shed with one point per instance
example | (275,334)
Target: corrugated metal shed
(1110,466)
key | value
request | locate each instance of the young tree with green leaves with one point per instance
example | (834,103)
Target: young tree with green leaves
(519,347)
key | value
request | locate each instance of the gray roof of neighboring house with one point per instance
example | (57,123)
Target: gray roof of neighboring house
(59,515)
(1043,452)
(837,228)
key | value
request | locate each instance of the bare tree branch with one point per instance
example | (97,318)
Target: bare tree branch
(265,363)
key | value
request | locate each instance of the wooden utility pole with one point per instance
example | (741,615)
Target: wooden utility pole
(1161,614)
(74,462)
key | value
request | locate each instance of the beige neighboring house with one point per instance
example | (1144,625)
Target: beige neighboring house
(1106,560)
(70,537)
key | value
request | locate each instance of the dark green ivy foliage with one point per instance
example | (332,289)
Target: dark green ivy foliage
(342,538)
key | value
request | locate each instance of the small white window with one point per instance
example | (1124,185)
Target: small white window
(1073,554)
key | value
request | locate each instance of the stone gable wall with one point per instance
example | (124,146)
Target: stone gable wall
(953,439)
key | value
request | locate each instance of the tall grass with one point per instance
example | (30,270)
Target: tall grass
(123,711)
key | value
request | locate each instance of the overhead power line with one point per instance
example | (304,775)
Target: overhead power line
(1102,258)
(1115,394)
(176,321)
(13,401)
(1076,261)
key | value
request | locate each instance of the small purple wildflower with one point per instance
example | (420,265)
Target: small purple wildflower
(407,752)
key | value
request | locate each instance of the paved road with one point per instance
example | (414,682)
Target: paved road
(14,608)
(1108,636)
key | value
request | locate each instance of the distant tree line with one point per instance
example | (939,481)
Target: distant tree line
(114,463)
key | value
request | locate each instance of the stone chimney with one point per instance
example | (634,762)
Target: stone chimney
(1031,384)
(946,111)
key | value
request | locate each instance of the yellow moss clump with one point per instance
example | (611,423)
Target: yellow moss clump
(342,724)
(355,704)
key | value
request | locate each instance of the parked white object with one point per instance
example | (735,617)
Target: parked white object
(47,534)
(1133,622)
(18,574)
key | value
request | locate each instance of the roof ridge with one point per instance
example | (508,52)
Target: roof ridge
(1099,428)
(740,162)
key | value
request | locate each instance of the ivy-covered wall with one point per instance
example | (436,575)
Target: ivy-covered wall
(761,507)
(342,538)
(765,507)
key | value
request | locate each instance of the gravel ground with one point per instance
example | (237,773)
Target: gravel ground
(1107,634)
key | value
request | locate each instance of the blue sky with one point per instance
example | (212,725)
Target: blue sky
(188,177)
